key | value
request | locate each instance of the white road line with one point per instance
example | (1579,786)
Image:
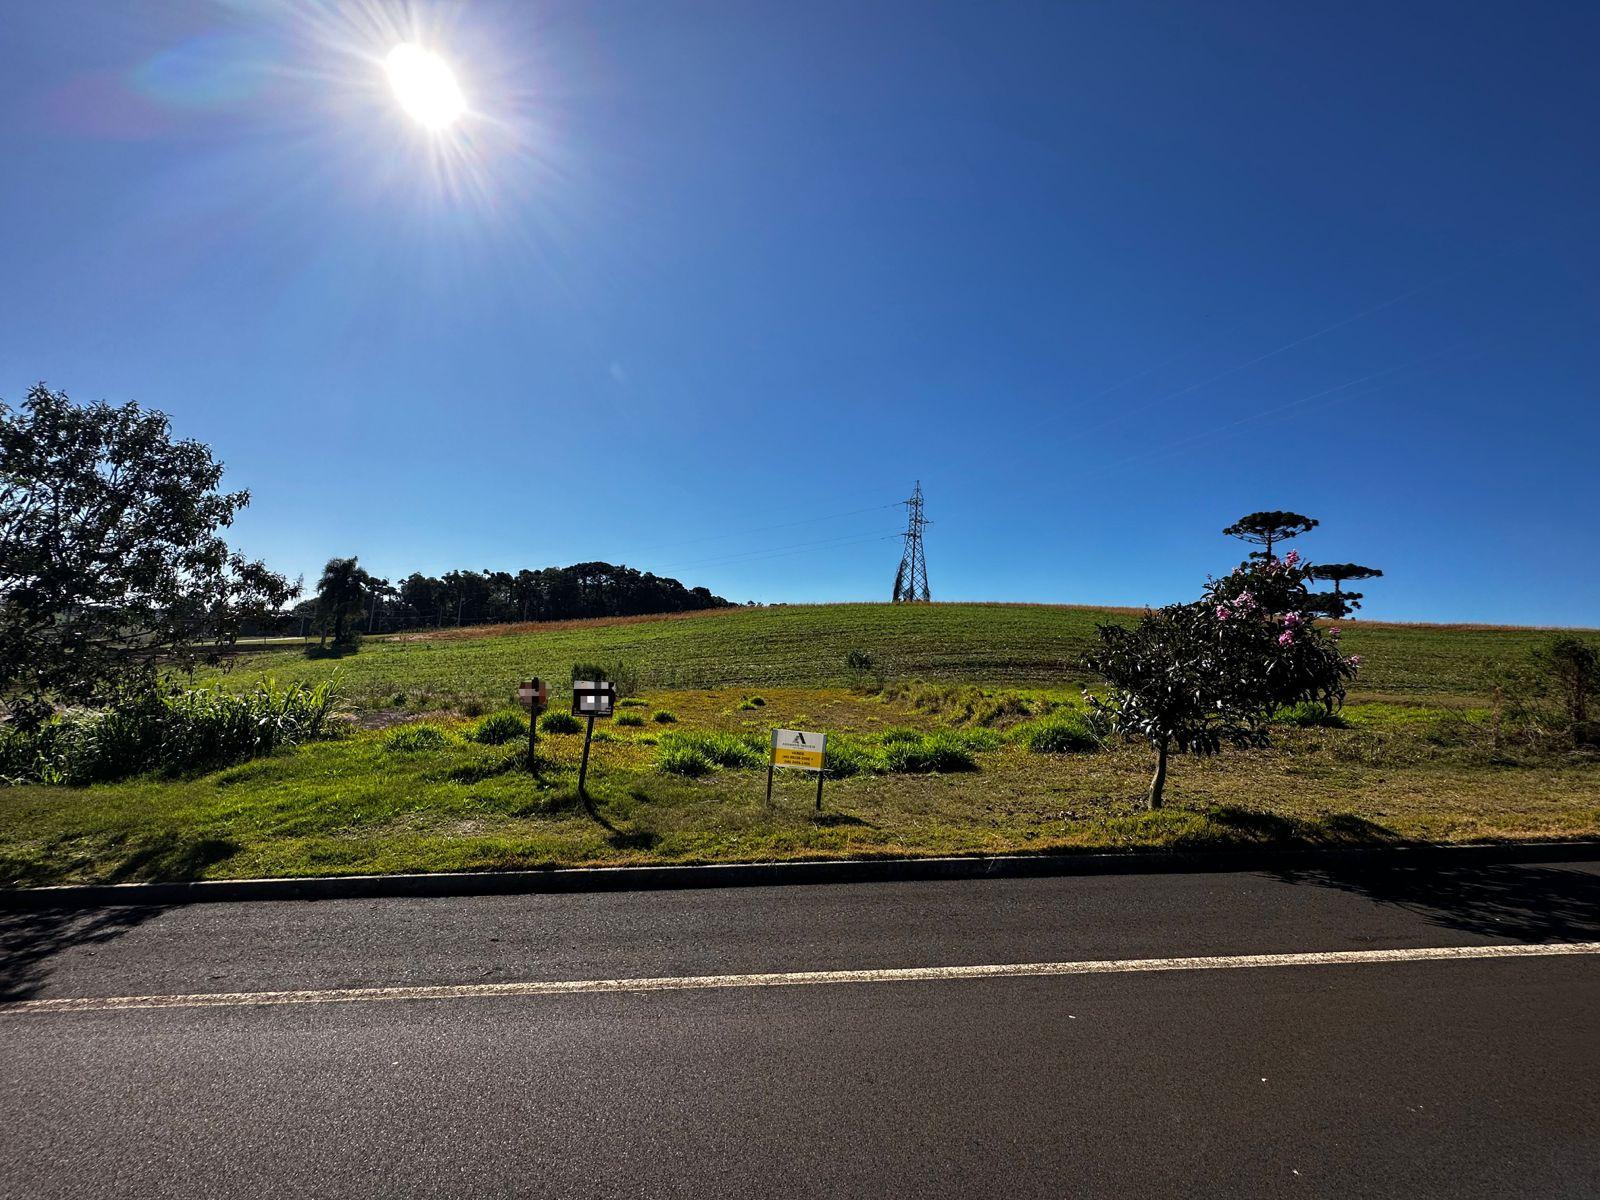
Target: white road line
(677,983)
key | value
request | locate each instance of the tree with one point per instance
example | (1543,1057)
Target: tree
(1342,603)
(1265,529)
(1195,677)
(340,592)
(111,561)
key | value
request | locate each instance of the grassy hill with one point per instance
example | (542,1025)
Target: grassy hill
(806,646)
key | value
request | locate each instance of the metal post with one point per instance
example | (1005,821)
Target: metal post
(820,774)
(533,733)
(770,768)
(583,768)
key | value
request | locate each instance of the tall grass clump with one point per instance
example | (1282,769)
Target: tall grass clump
(961,704)
(167,732)
(409,739)
(1311,714)
(1064,731)
(629,718)
(719,749)
(930,753)
(559,722)
(499,728)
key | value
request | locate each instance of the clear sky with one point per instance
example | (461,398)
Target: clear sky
(704,287)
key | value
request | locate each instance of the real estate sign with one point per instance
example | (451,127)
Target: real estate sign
(798,750)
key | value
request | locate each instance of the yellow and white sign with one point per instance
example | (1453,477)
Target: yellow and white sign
(798,750)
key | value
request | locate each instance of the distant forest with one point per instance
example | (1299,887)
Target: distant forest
(591,589)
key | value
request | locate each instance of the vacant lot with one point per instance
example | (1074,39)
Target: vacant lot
(1415,759)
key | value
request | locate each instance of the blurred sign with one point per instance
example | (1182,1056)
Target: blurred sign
(798,750)
(533,695)
(593,698)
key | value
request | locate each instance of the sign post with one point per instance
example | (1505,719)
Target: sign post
(591,699)
(535,697)
(798,750)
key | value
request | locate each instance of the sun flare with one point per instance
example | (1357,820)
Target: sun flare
(424,85)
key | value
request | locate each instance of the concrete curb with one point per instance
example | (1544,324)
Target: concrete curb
(770,874)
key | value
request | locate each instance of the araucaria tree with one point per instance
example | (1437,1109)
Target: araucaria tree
(111,559)
(1192,678)
(1267,529)
(1340,603)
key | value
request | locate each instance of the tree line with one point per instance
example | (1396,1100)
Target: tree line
(349,600)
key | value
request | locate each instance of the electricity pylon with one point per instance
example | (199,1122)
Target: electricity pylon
(911,580)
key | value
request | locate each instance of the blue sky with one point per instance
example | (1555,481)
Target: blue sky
(703,287)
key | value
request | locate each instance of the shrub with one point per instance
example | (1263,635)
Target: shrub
(632,702)
(559,722)
(1311,714)
(411,738)
(629,718)
(170,732)
(1065,731)
(664,716)
(499,728)
(750,703)
(473,708)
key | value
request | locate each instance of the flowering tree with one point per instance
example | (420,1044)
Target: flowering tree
(1196,677)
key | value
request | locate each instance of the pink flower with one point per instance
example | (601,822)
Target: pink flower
(1222,612)
(1244,601)
(1354,660)
(1333,631)
(1292,558)
(1286,638)
(1292,620)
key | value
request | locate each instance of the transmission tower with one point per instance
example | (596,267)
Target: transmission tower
(911,580)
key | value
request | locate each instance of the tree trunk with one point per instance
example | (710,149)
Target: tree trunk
(1158,781)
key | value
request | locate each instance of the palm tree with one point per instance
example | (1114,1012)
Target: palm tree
(339,595)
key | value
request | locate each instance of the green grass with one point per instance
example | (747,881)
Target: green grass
(447,802)
(975,745)
(991,645)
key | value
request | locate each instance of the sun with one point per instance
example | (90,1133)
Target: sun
(424,85)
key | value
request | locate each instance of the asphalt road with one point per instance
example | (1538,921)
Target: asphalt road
(1415,1079)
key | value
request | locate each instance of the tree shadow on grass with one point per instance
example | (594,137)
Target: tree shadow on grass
(1230,826)
(170,857)
(29,938)
(1521,903)
(634,839)
(833,820)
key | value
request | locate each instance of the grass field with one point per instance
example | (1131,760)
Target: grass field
(805,646)
(1414,762)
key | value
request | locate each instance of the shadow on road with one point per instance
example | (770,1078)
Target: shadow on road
(29,939)
(1533,904)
